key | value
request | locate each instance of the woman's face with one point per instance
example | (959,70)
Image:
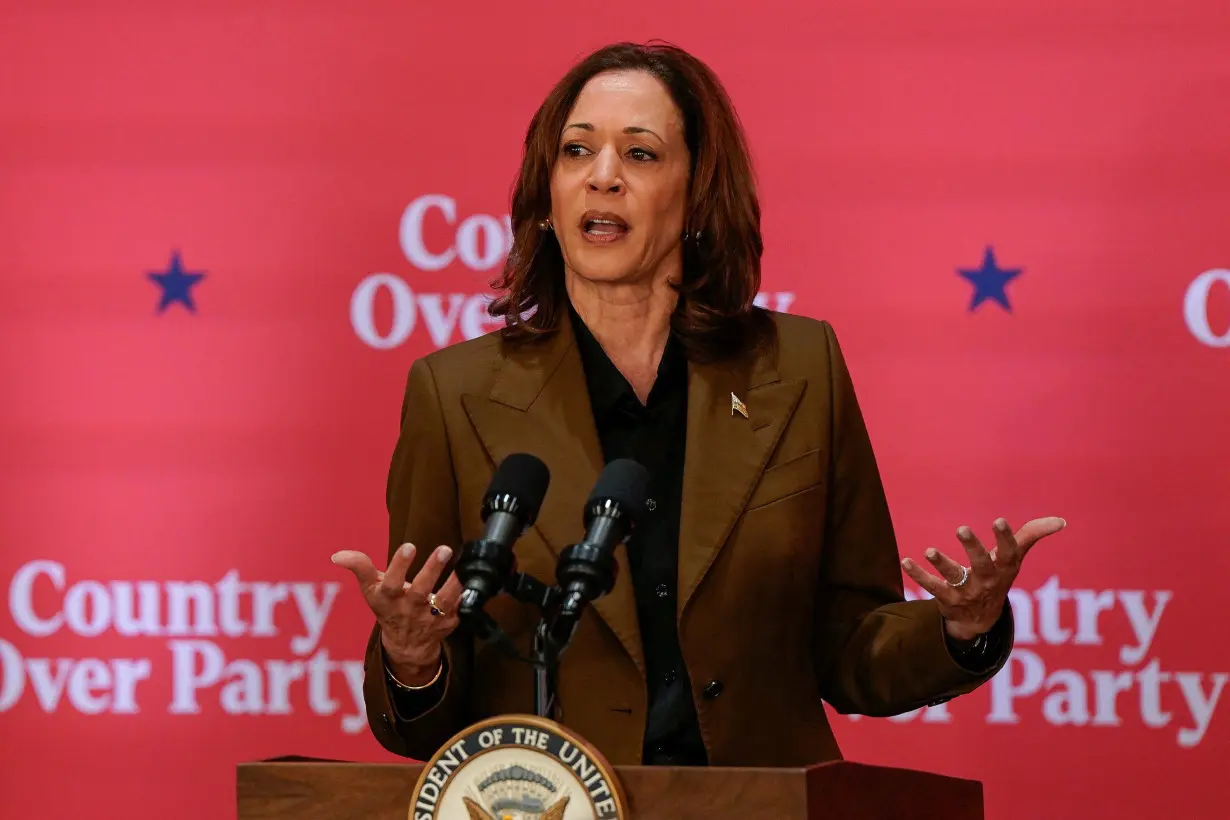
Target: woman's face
(619,188)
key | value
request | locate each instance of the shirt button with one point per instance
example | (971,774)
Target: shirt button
(651,504)
(670,676)
(662,590)
(713,689)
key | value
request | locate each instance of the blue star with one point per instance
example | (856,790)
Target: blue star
(989,281)
(176,284)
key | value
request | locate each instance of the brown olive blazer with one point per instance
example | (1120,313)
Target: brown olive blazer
(790,587)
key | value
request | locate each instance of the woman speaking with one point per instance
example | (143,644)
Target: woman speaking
(763,578)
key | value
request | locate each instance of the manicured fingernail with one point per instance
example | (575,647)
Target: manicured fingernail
(931,554)
(905,562)
(333,557)
(963,532)
(1063,522)
(1001,524)
(444,554)
(407,550)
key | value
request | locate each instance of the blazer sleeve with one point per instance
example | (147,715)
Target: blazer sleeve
(875,653)
(421,497)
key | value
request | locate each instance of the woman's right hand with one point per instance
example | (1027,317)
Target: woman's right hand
(412,635)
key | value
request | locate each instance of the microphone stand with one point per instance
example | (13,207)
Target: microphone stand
(589,576)
(545,682)
(545,653)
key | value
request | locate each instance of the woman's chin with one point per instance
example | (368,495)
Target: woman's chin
(609,272)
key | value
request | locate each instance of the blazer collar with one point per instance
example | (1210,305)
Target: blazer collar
(726,453)
(539,403)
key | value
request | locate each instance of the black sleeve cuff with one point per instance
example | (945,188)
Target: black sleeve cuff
(409,704)
(983,653)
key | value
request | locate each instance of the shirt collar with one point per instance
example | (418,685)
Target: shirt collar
(608,389)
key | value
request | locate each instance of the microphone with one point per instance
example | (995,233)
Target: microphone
(510,506)
(586,571)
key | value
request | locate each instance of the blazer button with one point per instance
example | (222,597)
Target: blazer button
(713,689)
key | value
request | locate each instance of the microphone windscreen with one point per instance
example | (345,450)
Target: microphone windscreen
(524,477)
(624,482)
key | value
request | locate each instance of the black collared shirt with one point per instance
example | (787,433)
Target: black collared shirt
(652,434)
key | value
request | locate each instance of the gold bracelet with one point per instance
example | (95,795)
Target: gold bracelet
(409,688)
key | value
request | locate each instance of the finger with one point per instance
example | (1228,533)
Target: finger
(449,594)
(979,559)
(1006,550)
(948,568)
(1036,530)
(425,581)
(395,576)
(938,587)
(358,563)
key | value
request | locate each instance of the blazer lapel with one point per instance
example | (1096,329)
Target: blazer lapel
(540,404)
(725,455)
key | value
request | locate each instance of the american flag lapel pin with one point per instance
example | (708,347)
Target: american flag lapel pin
(737,406)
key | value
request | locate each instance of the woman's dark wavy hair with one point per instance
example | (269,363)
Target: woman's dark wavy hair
(716,317)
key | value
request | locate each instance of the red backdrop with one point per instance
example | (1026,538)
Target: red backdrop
(174,480)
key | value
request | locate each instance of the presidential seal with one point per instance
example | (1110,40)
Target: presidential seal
(517,767)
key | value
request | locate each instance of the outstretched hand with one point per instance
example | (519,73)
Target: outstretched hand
(972,599)
(413,620)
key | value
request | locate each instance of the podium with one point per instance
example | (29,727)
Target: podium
(842,790)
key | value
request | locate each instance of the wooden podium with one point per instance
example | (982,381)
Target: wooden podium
(330,790)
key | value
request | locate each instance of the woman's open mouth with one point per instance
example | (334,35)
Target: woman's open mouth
(603,227)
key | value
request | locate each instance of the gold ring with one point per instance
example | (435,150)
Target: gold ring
(435,609)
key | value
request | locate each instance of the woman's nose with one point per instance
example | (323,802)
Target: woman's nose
(605,174)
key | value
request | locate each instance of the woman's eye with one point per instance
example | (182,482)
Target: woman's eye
(573,149)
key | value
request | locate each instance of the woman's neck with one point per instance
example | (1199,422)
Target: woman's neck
(630,322)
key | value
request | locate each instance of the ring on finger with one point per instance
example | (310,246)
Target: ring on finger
(435,608)
(964,578)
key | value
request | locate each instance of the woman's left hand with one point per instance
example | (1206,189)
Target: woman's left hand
(971,600)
